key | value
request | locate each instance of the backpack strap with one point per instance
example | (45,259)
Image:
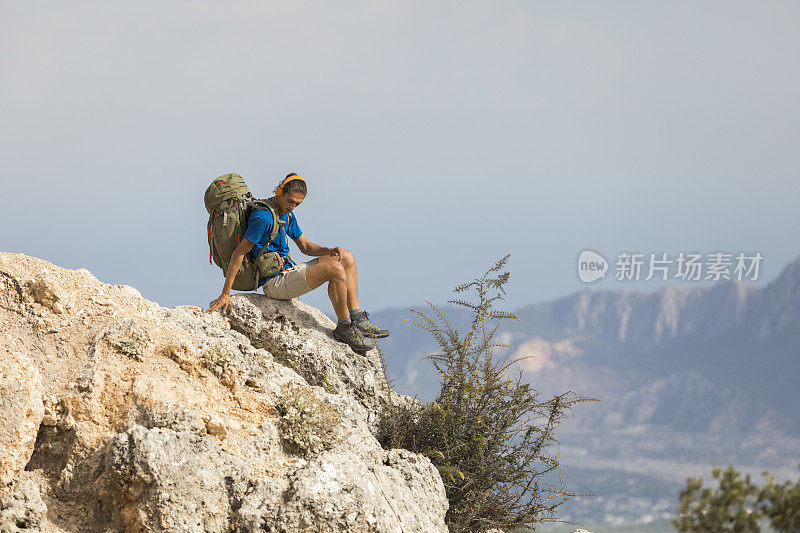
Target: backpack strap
(265,205)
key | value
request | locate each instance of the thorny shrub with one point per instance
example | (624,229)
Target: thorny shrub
(490,435)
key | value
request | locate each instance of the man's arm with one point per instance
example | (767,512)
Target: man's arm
(315,250)
(230,275)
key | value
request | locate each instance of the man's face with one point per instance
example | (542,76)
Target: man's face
(288,201)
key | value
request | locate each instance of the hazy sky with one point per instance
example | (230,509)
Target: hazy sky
(435,136)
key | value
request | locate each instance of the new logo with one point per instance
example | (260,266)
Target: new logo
(591,266)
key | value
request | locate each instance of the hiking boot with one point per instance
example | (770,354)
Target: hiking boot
(368,328)
(349,334)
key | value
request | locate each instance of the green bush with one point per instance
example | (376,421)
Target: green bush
(490,435)
(737,504)
(731,507)
(781,504)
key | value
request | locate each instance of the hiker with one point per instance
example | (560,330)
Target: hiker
(336,266)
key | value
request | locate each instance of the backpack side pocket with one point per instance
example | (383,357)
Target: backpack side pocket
(269,263)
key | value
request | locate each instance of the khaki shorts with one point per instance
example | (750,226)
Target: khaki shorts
(288,284)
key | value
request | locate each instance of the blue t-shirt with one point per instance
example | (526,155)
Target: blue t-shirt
(259,226)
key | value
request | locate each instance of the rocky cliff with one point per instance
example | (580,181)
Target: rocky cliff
(119,415)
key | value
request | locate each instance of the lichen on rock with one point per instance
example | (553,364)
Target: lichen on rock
(306,422)
(129,338)
(217,358)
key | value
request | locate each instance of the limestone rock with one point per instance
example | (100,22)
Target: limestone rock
(338,491)
(129,291)
(167,481)
(21,412)
(216,427)
(22,509)
(154,478)
(299,336)
(46,292)
(161,419)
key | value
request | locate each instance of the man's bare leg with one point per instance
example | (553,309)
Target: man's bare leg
(325,264)
(330,265)
(329,269)
(349,263)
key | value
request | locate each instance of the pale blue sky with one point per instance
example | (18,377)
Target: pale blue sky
(436,136)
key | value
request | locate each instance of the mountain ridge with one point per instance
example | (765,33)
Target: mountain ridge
(737,336)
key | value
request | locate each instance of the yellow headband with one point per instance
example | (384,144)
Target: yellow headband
(279,189)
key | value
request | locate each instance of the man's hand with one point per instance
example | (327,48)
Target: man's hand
(236,262)
(337,251)
(221,302)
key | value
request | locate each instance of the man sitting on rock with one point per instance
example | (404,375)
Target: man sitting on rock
(335,265)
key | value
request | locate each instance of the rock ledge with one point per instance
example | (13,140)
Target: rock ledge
(119,415)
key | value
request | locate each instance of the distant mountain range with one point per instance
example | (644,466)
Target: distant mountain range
(687,377)
(724,358)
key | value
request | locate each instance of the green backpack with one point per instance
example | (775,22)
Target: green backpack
(229,204)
